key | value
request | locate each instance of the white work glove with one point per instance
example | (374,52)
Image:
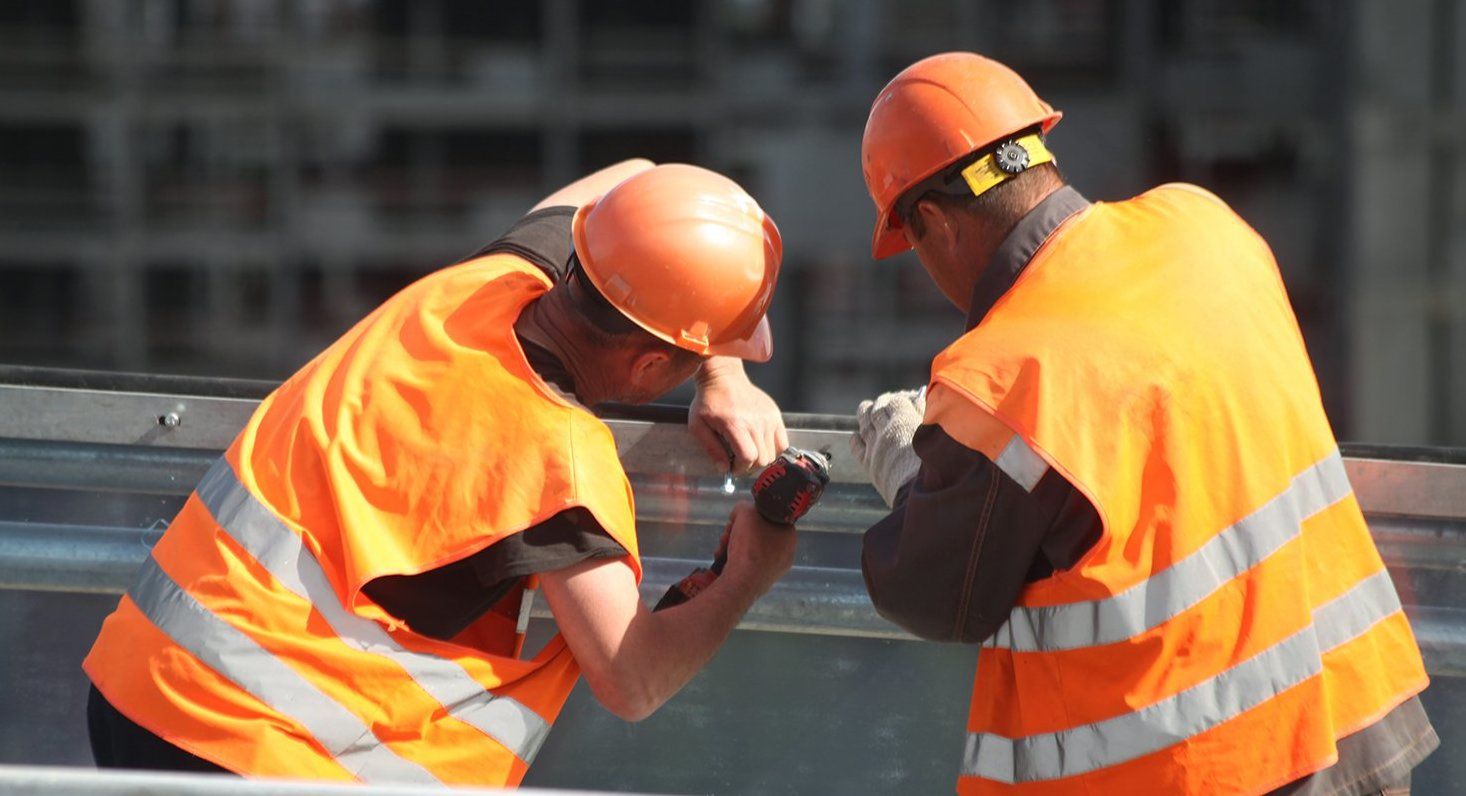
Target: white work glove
(883,443)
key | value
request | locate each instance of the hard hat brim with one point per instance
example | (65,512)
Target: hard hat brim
(757,347)
(888,239)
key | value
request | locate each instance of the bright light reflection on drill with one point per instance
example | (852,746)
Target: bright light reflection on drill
(728,487)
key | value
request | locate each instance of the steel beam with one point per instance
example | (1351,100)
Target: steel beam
(71,436)
(55,781)
(201,422)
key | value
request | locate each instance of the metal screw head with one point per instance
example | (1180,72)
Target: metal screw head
(169,420)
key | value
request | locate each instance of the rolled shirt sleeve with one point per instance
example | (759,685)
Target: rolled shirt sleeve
(542,238)
(440,603)
(948,563)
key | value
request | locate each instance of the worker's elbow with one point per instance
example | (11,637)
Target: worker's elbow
(928,620)
(930,623)
(627,707)
(893,606)
(978,630)
(625,698)
(633,712)
(920,625)
(914,601)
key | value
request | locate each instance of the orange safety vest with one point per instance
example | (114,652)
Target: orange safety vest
(419,438)
(1234,619)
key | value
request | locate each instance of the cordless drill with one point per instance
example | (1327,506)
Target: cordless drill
(785,491)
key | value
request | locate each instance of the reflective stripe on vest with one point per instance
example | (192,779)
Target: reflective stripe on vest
(1021,463)
(1172,591)
(236,656)
(1192,711)
(282,552)
(1151,356)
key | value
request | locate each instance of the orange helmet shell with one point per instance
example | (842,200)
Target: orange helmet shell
(688,256)
(932,114)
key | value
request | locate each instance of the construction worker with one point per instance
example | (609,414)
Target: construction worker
(1119,482)
(345,595)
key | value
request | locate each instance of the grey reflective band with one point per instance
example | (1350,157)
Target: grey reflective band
(236,656)
(1172,591)
(282,552)
(1353,613)
(1021,463)
(1195,710)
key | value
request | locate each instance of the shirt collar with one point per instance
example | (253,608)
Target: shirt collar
(547,366)
(1016,250)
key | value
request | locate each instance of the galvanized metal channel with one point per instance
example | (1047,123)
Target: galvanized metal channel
(91,433)
(52,781)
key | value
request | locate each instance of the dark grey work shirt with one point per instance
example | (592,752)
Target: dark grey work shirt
(950,560)
(961,508)
(442,602)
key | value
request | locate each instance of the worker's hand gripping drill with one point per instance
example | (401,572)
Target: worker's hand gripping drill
(785,491)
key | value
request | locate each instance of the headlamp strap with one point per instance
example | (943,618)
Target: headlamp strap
(1006,161)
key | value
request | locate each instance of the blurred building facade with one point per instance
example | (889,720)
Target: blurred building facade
(222,186)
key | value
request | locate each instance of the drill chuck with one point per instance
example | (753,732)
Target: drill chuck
(785,491)
(790,486)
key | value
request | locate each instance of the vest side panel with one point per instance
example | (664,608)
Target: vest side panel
(430,428)
(337,447)
(1149,354)
(198,711)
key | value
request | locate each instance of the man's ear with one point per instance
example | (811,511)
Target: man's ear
(935,224)
(646,368)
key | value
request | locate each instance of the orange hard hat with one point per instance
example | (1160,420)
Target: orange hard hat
(935,112)
(687,255)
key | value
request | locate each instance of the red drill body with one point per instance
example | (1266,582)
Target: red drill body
(785,491)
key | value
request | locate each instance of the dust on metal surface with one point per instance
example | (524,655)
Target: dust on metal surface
(68,438)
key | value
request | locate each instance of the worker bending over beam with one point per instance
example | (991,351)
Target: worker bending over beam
(345,594)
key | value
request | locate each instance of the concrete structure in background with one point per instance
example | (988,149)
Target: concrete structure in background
(222,186)
(1406,236)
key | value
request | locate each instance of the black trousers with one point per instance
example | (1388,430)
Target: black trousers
(119,742)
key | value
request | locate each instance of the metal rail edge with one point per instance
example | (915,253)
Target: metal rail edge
(57,781)
(65,433)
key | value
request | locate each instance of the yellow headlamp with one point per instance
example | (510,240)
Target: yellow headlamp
(1007,161)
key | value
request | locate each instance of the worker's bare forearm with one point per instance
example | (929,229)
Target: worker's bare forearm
(634,660)
(714,368)
(667,648)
